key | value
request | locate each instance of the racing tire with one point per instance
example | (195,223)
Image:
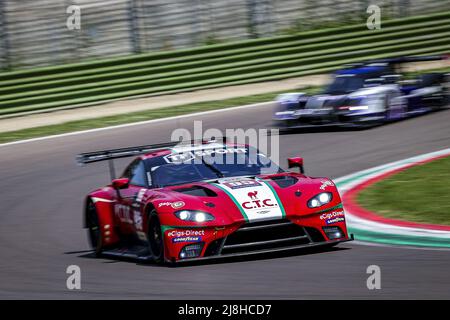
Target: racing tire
(94,231)
(155,238)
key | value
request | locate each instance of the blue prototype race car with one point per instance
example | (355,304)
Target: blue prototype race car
(363,95)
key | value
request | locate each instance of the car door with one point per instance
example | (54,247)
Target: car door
(130,199)
(395,104)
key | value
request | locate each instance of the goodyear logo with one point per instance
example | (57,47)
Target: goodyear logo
(186,239)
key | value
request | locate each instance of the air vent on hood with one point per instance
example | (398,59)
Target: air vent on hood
(197,191)
(284,181)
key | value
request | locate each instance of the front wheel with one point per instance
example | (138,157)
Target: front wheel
(155,238)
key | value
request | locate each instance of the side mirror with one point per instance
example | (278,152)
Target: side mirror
(296,162)
(121,183)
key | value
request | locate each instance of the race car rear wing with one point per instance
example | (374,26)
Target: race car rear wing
(109,155)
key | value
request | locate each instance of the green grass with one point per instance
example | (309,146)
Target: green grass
(139,116)
(419,194)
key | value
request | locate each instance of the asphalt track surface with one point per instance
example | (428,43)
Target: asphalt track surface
(41,233)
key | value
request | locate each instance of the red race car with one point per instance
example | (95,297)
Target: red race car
(202,200)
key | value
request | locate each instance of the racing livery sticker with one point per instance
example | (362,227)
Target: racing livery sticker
(174,205)
(140,195)
(257,202)
(334,220)
(325,184)
(333,217)
(180,155)
(241,184)
(185,233)
(186,239)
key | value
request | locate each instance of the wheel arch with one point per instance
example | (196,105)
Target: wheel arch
(105,211)
(87,200)
(149,207)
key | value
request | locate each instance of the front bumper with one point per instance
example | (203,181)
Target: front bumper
(253,238)
(256,252)
(327,119)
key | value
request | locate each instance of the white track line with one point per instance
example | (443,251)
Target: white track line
(396,246)
(261,104)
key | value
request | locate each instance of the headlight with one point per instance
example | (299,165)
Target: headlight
(320,199)
(196,216)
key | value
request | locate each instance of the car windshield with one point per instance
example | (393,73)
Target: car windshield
(346,84)
(211,164)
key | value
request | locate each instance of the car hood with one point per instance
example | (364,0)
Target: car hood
(250,199)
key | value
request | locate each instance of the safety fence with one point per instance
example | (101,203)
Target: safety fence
(233,63)
(35,33)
